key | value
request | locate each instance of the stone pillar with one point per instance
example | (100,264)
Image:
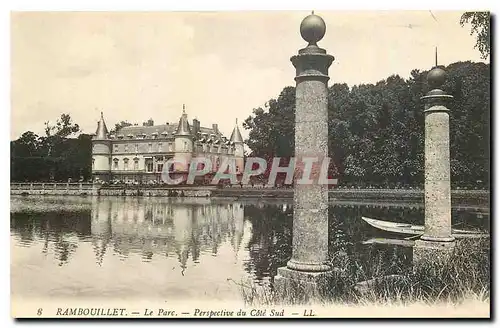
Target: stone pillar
(437,234)
(307,273)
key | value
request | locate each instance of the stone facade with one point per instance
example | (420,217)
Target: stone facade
(140,153)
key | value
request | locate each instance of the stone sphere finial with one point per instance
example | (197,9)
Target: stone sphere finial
(436,77)
(312,29)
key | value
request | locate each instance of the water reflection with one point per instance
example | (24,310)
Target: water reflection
(156,227)
(192,246)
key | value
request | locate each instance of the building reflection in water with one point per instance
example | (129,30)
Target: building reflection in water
(162,227)
(252,235)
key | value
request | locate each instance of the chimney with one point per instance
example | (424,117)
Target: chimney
(215,127)
(196,126)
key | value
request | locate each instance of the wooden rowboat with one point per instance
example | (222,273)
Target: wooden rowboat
(413,229)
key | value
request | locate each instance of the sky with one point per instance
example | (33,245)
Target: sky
(221,65)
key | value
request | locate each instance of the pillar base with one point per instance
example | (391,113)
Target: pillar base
(437,239)
(435,250)
(300,287)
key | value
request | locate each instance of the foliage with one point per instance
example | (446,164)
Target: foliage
(480,22)
(389,278)
(54,156)
(376,131)
(459,278)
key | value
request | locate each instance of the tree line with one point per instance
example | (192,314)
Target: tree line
(376,131)
(62,153)
(55,156)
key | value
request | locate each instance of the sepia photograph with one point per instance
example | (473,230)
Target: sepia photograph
(250,164)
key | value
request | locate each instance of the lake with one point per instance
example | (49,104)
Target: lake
(186,248)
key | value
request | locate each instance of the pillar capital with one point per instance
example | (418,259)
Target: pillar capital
(312,64)
(434,98)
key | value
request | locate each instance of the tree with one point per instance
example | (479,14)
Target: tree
(480,22)
(63,128)
(272,132)
(376,131)
(26,159)
(55,156)
(53,144)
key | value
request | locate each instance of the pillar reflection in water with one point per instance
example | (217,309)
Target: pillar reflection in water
(153,227)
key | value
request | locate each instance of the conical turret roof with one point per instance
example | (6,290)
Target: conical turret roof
(102,130)
(183,129)
(236,135)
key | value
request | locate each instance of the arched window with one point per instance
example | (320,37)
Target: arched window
(115,164)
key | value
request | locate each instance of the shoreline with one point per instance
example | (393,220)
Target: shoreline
(470,197)
(457,204)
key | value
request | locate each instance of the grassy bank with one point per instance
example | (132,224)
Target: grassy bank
(465,277)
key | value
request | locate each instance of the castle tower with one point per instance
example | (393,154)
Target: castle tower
(183,144)
(239,150)
(101,152)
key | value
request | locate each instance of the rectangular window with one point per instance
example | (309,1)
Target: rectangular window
(150,148)
(160,147)
(136,148)
(160,167)
(136,164)
(115,148)
(115,164)
(149,165)
(125,164)
(126,148)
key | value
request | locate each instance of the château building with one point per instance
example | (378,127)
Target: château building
(139,153)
